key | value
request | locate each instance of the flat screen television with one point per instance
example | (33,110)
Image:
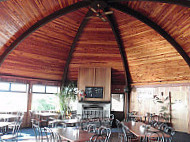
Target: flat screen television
(94,92)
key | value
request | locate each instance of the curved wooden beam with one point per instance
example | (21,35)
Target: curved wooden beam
(128,81)
(83,24)
(154,26)
(116,33)
(185,3)
(40,23)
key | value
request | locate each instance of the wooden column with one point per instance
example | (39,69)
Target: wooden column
(29,105)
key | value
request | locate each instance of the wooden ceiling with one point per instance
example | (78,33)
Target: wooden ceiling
(42,39)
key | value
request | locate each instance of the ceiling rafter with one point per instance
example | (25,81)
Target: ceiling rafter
(153,25)
(185,3)
(40,23)
(116,33)
(80,30)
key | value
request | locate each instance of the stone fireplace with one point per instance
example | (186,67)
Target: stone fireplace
(96,110)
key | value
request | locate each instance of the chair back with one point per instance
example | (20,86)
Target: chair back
(49,134)
(37,131)
(127,134)
(91,128)
(105,131)
(154,137)
(56,137)
(98,138)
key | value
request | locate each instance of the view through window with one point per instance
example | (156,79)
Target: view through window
(117,102)
(45,98)
(13,97)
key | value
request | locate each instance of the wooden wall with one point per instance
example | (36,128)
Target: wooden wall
(141,100)
(99,77)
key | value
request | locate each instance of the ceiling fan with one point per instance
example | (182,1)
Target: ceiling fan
(98,12)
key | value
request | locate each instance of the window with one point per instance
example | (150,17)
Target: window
(16,87)
(117,102)
(4,86)
(44,98)
(13,87)
(45,102)
(45,89)
(38,88)
(13,97)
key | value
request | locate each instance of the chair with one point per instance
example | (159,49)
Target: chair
(13,135)
(91,128)
(171,132)
(119,127)
(111,119)
(104,131)
(49,134)
(37,131)
(98,138)
(128,136)
(153,137)
(163,127)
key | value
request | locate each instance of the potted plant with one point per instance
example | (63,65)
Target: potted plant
(67,94)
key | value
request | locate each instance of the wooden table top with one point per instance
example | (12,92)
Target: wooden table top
(4,124)
(73,134)
(137,129)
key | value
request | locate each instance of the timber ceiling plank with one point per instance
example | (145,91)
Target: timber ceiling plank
(46,50)
(78,34)
(185,3)
(40,23)
(153,25)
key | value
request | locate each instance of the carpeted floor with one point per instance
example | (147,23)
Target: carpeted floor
(27,135)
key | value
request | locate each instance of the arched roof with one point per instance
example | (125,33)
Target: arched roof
(142,41)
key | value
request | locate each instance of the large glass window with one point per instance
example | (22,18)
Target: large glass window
(45,102)
(117,102)
(45,98)
(13,97)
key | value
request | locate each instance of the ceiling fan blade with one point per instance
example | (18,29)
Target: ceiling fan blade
(108,12)
(103,19)
(93,10)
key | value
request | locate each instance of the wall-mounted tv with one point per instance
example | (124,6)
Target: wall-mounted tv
(94,92)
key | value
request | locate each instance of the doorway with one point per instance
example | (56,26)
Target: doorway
(117,107)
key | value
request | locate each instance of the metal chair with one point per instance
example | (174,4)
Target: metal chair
(49,134)
(13,135)
(128,136)
(37,131)
(154,137)
(171,132)
(98,138)
(104,131)
(119,127)
(91,128)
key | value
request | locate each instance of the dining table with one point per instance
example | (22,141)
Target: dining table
(71,122)
(73,134)
(138,129)
(8,116)
(4,126)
